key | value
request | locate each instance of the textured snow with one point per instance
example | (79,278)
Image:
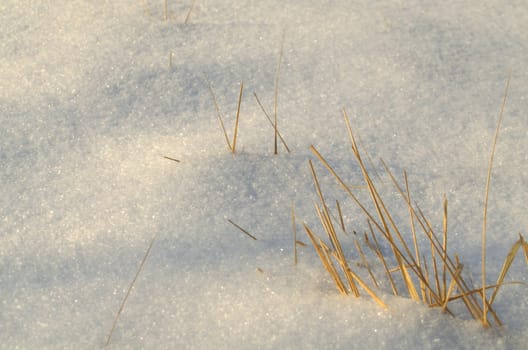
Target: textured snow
(90,103)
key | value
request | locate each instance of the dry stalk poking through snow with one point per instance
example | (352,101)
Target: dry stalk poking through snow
(433,275)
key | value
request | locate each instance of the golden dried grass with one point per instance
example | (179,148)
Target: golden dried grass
(432,275)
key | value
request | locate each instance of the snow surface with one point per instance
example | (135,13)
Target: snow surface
(89,105)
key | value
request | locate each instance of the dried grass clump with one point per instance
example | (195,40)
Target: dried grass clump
(433,276)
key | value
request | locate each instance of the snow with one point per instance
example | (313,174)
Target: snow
(90,105)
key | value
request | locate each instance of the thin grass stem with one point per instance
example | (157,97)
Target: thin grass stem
(326,262)
(444,249)
(122,306)
(219,115)
(294,230)
(189,12)
(505,267)
(237,117)
(241,229)
(486,197)
(525,248)
(276,92)
(378,252)
(365,262)
(173,159)
(341,221)
(271,122)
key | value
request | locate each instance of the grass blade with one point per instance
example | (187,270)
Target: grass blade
(435,273)
(340,213)
(413,232)
(189,12)
(327,263)
(376,248)
(452,285)
(271,122)
(276,101)
(525,248)
(368,290)
(505,267)
(486,197)
(237,117)
(173,159)
(444,249)
(365,262)
(324,216)
(243,230)
(219,115)
(129,290)
(479,289)
(294,230)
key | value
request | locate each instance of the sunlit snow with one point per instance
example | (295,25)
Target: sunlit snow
(94,95)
